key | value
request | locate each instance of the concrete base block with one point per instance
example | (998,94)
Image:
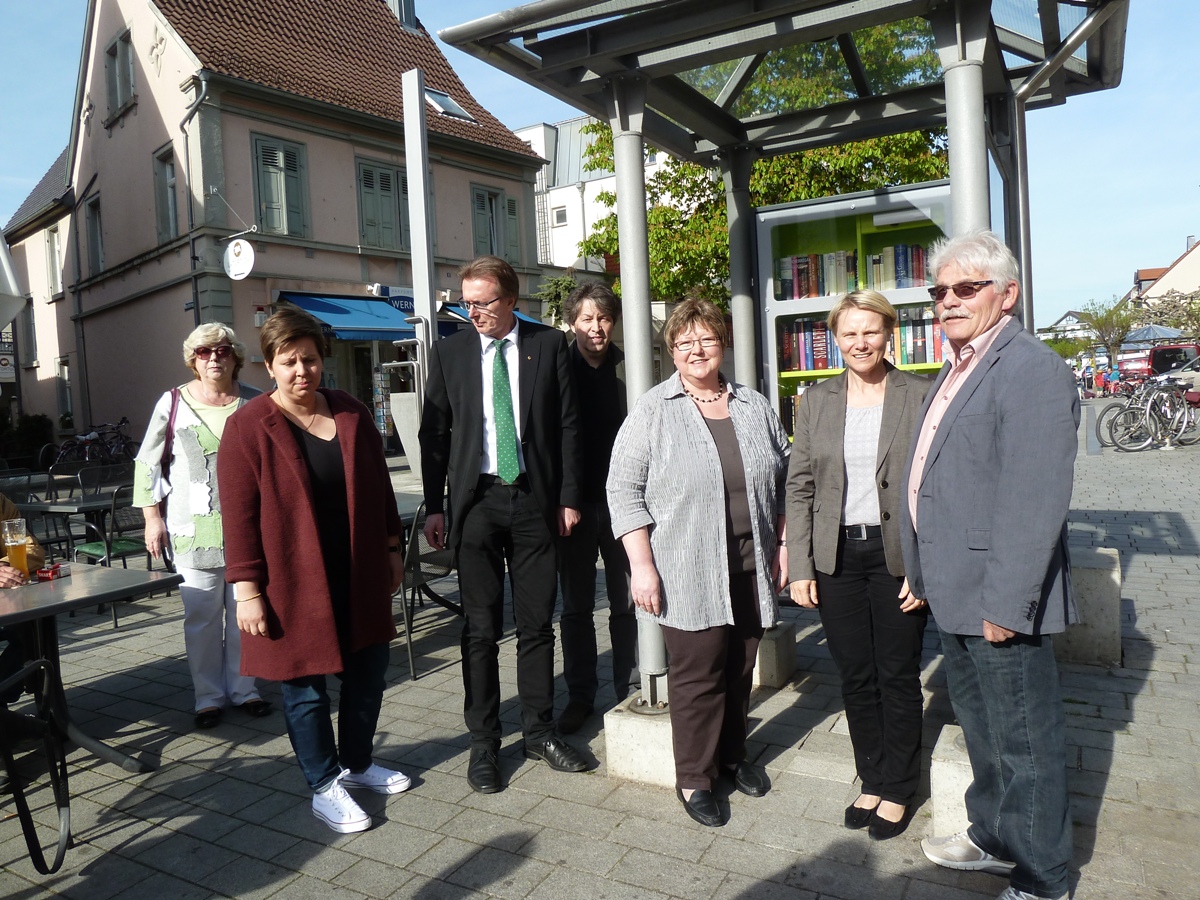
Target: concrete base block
(776,656)
(637,745)
(949,778)
(1096,639)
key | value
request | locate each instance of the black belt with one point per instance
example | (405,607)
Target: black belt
(487,481)
(862,532)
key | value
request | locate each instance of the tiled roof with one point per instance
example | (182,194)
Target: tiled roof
(347,52)
(53,186)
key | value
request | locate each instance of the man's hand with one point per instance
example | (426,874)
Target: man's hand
(10,577)
(996,634)
(908,601)
(568,518)
(435,530)
(804,592)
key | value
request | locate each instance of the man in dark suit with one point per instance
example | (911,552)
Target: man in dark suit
(984,536)
(500,421)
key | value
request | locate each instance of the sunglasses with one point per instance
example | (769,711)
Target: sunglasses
(222,352)
(964,290)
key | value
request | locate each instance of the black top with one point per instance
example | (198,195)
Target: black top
(327,473)
(739,532)
(602,405)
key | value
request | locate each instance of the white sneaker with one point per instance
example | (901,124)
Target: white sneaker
(378,779)
(1011,893)
(960,852)
(337,809)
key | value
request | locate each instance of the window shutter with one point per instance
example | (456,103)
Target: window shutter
(294,191)
(369,204)
(271,188)
(482,211)
(405,227)
(512,231)
(387,208)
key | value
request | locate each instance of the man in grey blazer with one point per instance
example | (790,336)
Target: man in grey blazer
(984,536)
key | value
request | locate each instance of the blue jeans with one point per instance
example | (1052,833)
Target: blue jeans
(1008,702)
(310,723)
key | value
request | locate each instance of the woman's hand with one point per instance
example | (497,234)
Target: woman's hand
(156,532)
(909,603)
(251,612)
(646,588)
(779,569)
(11,577)
(804,592)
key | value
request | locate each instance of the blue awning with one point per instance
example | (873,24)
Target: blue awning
(355,318)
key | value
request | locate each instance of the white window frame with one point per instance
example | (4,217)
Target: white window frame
(558,216)
(54,262)
(446,105)
(62,383)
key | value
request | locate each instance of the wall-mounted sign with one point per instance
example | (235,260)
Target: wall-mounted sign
(239,259)
(8,368)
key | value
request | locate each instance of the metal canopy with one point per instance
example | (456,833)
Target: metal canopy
(706,64)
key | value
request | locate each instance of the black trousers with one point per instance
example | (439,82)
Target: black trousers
(877,649)
(709,684)
(577,578)
(504,525)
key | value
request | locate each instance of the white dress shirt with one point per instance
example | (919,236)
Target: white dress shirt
(512,358)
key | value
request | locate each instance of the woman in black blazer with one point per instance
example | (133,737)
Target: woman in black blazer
(851,442)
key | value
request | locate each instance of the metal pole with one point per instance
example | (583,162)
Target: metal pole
(626,105)
(416,161)
(736,163)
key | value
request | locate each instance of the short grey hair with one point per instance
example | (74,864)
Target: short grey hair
(210,334)
(980,252)
(599,293)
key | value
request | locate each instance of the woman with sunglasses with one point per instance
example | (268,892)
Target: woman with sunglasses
(177,467)
(852,435)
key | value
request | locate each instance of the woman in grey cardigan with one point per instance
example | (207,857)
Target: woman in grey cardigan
(185,475)
(852,437)
(695,491)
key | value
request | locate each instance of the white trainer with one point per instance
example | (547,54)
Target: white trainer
(378,779)
(960,852)
(337,809)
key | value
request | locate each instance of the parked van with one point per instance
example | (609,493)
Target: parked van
(1158,359)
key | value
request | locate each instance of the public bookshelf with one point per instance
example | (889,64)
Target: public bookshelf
(812,252)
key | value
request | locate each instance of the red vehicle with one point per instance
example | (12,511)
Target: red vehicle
(1158,359)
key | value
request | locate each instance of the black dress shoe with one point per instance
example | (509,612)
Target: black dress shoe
(881,829)
(702,807)
(750,780)
(208,718)
(483,771)
(557,754)
(857,817)
(574,716)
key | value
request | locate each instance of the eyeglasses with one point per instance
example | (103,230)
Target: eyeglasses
(707,343)
(479,304)
(964,290)
(224,351)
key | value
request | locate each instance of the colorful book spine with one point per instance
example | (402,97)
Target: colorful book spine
(918,336)
(786,361)
(808,345)
(783,279)
(814,276)
(938,352)
(888,275)
(820,346)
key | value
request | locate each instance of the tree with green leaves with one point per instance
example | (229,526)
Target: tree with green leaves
(554,292)
(686,217)
(1111,323)
(1069,348)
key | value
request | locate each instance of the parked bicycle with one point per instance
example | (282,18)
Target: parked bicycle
(1168,414)
(108,442)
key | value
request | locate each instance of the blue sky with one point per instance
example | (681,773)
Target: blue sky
(1114,176)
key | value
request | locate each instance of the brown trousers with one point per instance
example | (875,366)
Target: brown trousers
(708,688)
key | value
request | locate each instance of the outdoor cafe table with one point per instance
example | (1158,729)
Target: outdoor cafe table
(91,506)
(38,605)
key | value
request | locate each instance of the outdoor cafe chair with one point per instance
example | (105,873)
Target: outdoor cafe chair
(422,566)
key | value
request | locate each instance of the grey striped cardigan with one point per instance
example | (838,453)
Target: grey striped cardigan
(666,474)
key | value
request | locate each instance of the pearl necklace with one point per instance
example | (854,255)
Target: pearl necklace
(720,394)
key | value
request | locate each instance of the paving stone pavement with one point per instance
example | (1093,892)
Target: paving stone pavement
(227,814)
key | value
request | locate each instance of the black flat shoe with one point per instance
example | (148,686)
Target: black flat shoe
(702,807)
(557,754)
(750,780)
(256,707)
(881,829)
(483,771)
(858,817)
(208,718)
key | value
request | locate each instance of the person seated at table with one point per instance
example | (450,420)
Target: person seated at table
(312,547)
(12,657)
(177,462)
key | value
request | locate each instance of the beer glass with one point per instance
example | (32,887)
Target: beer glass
(15,546)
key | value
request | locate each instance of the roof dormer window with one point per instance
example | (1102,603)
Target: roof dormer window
(446,106)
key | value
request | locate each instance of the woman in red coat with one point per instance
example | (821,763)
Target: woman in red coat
(312,547)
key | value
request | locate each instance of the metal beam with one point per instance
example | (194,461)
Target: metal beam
(738,80)
(854,65)
(684,104)
(898,111)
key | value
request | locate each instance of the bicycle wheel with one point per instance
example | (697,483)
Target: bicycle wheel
(1189,431)
(47,456)
(127,450)
(1105,419)
(71,451)
(1132,430)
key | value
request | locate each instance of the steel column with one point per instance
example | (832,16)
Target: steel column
(416,164)
(736,163)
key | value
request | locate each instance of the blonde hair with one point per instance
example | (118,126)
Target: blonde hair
(872,301)
(210,334)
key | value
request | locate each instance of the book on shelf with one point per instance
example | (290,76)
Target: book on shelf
(938,351)
(820,346)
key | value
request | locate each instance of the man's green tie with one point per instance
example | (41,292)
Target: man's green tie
(507,466)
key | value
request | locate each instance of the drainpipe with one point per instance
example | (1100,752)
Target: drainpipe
(191,208)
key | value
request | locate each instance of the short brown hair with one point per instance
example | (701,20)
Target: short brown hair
(287,325)
(871,301)
(691,312)
(599,293)
(494,269)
